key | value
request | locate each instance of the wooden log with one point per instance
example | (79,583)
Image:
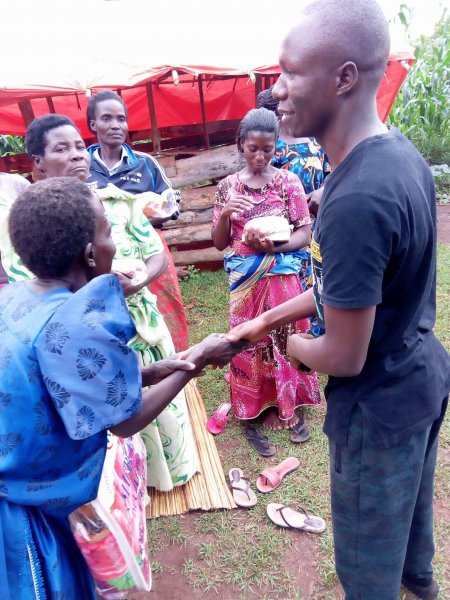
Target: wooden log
(188,234)
(198,198)
(190,217)
(192,257)
(212,164)
(15,163)
(168,164)
(191,144)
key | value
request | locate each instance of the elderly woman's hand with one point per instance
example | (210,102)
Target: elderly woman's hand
(129,284)
(158,371)
(215,350)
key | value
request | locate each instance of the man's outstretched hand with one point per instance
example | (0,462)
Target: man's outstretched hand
(252,331)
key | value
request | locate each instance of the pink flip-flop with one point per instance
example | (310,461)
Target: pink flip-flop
(270,478)
(219,419)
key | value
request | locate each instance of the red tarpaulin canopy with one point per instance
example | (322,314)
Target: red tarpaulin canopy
(221,61)
(227,94)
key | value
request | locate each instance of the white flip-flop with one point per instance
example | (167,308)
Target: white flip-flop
(284,516)
(242,493)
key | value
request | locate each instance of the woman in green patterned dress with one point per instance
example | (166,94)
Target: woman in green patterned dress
(171,453)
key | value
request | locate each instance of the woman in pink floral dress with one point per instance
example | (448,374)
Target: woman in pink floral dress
(263,274)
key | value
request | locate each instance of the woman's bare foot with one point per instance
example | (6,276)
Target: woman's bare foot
(270,420)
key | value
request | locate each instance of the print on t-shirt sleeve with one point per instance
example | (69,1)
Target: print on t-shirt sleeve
(355,234)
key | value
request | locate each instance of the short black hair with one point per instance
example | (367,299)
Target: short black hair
(50,225)
(38,128)
(101,97)
(257,119)
(353,30)
(265,100)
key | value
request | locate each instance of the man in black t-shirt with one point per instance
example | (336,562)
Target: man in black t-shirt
(374,263)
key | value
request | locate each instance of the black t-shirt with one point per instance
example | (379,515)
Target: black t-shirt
(375,244)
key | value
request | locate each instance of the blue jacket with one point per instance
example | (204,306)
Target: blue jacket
(138,173)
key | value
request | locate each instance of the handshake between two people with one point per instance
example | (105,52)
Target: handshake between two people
(162,380)
(258,328)
(215,350)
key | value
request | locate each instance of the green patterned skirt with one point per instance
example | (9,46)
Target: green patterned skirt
(171,453)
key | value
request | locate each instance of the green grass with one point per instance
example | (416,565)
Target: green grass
(241,555)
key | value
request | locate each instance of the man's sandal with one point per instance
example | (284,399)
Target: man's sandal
(284,516)
(242,493)
(260,442)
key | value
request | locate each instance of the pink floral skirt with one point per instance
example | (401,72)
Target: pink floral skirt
(261,377)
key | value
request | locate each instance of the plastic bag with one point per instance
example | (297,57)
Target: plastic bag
(111,530)
(161,205)
(133,268)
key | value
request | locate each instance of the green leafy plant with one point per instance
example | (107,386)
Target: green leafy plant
(422,108)
(11,144)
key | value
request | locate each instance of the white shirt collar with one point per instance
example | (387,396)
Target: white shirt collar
(114,168)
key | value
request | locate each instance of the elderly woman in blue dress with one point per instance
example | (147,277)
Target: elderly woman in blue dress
(66,376)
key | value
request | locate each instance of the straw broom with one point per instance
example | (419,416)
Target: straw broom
(206,490)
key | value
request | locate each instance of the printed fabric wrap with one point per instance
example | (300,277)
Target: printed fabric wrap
(171,452)
(246,271)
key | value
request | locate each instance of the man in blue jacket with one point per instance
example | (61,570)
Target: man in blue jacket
(113,161)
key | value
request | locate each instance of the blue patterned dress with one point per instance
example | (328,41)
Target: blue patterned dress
(306,159)
(66,375)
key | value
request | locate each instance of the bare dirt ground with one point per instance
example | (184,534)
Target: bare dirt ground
(443,221)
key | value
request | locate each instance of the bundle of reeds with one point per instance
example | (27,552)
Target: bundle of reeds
(207,489)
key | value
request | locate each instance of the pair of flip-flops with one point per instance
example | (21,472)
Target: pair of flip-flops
(261,443)
(268,480)
(280,514)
